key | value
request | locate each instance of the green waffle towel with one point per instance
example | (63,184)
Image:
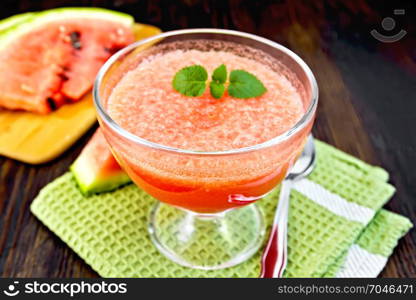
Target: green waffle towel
(336,225)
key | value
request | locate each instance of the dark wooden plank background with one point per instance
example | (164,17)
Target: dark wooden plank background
(367,107)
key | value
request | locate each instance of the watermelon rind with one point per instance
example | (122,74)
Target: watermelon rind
(90,183)
(14,20)
(17,28)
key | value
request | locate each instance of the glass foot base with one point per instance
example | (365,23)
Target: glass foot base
(207,242)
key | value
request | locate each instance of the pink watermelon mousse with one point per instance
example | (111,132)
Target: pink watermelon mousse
(144,103)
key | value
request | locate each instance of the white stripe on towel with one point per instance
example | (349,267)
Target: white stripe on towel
(333,202)
(361,263)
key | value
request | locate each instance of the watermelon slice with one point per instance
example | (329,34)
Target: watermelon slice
(95,169)
(52,57)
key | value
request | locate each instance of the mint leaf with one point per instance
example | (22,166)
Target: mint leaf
(217,89)
(190,81)
(216,86)
(245,85)
(220,74)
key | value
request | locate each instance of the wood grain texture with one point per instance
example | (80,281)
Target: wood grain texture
(367,107)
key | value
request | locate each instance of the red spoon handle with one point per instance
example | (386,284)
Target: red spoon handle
(274,256)
(270,256)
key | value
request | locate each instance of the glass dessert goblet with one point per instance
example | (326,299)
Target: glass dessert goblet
(206,216)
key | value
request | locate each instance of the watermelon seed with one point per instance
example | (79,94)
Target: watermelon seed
(75,40)
(63,77)
(51,103)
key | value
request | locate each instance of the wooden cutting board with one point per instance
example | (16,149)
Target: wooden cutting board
(37,139)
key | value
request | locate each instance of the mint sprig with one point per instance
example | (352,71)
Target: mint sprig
(191,81)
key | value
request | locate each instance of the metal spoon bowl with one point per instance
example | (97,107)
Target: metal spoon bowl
(305,163)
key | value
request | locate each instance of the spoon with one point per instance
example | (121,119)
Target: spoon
(274,258)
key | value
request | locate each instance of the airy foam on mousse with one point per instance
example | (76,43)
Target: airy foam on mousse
(145,103)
